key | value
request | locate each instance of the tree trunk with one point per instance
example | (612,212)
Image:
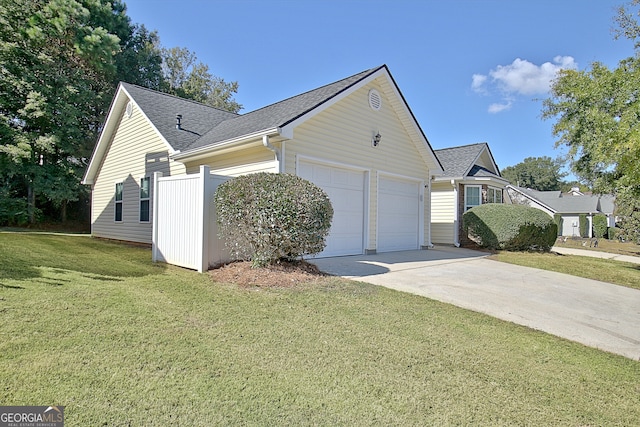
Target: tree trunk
(63,211)
(31,203)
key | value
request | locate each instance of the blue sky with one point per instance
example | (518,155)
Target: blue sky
(471,71)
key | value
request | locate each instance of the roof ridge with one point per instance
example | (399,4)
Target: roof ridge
(462,146)
(169,95)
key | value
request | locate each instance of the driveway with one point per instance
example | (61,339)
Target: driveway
(594,313)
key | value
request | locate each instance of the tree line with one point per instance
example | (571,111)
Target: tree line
(60,63)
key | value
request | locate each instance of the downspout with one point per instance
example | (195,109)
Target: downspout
(424,200)
(268,145)
(456,222)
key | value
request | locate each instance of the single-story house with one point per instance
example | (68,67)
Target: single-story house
(355,138)
(471,178)
(569,205)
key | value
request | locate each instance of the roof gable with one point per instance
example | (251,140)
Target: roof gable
(464,161)
(282,117)
(160,110)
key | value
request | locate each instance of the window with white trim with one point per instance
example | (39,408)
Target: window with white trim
(145,194)
(118,200)
(472,196)
(494,195)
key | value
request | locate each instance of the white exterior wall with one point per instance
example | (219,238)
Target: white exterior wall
(443,213)
(567,225)
(342,135)
(127,162)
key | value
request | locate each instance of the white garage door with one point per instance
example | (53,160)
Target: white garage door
(345,188)
(398,214)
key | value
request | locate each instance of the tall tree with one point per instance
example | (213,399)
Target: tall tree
(60,61)
(598,119)
(186,77)
(538,173)
(54,63)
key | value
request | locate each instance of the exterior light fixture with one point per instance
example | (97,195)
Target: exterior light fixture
(376,139)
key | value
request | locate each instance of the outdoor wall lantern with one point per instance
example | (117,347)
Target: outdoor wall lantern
(376,139)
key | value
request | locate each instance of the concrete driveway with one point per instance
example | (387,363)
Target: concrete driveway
(593,313)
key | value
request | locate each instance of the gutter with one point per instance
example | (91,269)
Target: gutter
(209,149)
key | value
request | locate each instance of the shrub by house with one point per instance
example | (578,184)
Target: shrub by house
(268,217)
(510,227)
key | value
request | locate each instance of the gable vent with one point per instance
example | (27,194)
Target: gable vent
(375,101)
(129,110)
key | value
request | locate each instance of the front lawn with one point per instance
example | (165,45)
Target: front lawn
(96,327)
(605,270)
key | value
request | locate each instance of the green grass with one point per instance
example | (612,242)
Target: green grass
(605,270)
(118,341)
(604,245)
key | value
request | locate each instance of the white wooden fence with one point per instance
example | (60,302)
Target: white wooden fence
(185,232)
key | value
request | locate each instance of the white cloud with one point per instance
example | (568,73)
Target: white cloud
(497,108)
(521,77)
(477,83)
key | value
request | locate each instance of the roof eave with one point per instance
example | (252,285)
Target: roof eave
(207,150)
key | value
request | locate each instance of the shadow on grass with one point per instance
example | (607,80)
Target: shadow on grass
(25,254)
(2,285)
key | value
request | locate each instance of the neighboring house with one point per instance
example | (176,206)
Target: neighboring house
(356,138)
(471,178)
(569,205)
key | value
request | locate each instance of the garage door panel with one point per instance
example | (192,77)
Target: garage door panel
(398,214)
(345,189)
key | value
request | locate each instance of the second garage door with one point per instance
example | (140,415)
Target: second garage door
(398,214)
(345,188)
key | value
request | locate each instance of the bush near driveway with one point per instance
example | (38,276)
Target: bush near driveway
(510,227)
(268,217)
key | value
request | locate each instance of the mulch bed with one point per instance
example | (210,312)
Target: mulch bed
(283,274)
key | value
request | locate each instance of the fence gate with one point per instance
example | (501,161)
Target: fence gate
(184,224)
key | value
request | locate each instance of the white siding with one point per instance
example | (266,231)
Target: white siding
(443,208)
(135,151)
(343,134)
(252,160)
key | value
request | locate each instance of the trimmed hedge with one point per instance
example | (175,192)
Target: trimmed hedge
(584,225)
(599,226)
(267,217)
(510,227)
(557,218)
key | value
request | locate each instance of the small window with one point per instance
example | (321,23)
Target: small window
(494,195)
(145,195)
(118,198)
(144,198)
(471,197)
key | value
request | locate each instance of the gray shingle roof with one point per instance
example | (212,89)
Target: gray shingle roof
(162,108)
(278,114)
(572,204)
(459,161)
(205,126)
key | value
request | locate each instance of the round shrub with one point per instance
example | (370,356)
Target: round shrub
(510,227)
(268,217)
